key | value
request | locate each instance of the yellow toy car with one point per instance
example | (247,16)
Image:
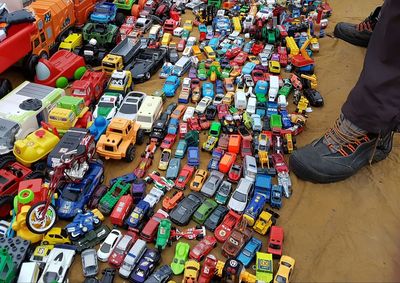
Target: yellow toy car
(55,236)
(285,270)
(228,98)
(120,82)
(71,42)
(166,39)
(188,25)
(274,67)
(164,159)
(302,105)
(41,253)
(36,145)
(263,223)
(192,269)
(254,59)
(199,178)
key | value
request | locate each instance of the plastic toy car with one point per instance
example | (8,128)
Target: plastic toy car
(254,208)
(163,234)
(210,143)
(225,228)
(285,269)
(145,267)
(121,210)
(235,173)
(237,239)
(181,149)
(223,192)
(179,260)
(204,211)
(159,182)
(110,199)
(162,274)
(124,245)
(182,213)
(208,270)
(83,223)
(239,198)
(213,182)
(164,159)
(198,180)
(276,196)
(249,251)
(184,177)
(169,203)
(90,266)
(203,103)
(168,141)
(203,248)
(192,269)
(179,111)
(216,157)
(275,241)
(263,223)
(109,244)
(227,160)
(58,263)
(171,85)
(56,236)
(140,212)
(92,238)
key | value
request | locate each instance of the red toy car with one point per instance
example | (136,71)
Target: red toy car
(204,123)
(90,87)
(234,143)
(222,110)
(170,202)
(226,162)
(62,64)
(181,45)
(283,57)
(127,27)
(279,162)
(223,142)
(183,129)
(236,241)
(241,58)
(195,233)
(235,173)
(121,250)
(275,241)
(232,53)
(141,169)
(168,141)
(149,231)
(258,75)
(203,248)
(257,48)
(296,82)
(193,123)
(224,230)
(184,177)
(208,270)
(159,181)
(247,147)
(121,210)
(170,25)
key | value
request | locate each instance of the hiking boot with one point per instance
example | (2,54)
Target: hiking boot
(383,148)
(339,154)
(358,34)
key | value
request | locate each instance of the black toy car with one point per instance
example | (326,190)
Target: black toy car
(161,275)
(159,130)
(216,217)
(314,97)
(211,112)
(170,108)
(145,267)
(173,55)
(108,275)
(182,213)
(92,238)
(97,195)
(147,62)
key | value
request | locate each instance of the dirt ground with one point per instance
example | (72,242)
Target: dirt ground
(343,232)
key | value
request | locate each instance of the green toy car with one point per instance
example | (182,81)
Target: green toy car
(204,211)
(210,143)
(215,129)
(247,120)
(226,72)
(261,97)
(201,71)
(286,88)
(124,5)
(276,121)
(110,199)
(163,234)
(181,255)
(192,138)
(105,34)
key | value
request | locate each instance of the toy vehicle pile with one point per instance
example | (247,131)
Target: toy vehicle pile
(232,66)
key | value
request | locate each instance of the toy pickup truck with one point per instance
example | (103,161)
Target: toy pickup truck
(69,112)
(121,55)
(90,87)
(119,140)
(105,34)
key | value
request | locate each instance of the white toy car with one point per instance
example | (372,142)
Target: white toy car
(154,196)
(130,105)
(90,266)
(29,272)
(189,113)
(202,105)
(57,265)
(132,258)
(240,196)
(108,245)
(107,106)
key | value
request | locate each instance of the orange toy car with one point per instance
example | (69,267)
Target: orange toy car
(199,178)
(226,162)
(179,111)
(234,143)
(119,140)
(169,203)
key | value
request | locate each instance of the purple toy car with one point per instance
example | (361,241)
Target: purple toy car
(145,267)
(138,190)
(192,73)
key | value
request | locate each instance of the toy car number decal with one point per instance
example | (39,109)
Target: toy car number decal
(41,251)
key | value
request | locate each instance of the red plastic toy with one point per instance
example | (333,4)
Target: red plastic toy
(203,248)
(275,241)
(168,141)
(232,53)
(90,87)
(195,233)
(241,58)
(183,129)
(184,177)
(170,202)
(224,230)
(149,231)
(208,270)
(235,173)
(279,162)
(227,161)
(223,110)
(193,123)
(234,143)
(247,147)
(121,210)
(144,165)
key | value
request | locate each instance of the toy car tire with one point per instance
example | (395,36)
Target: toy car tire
(6,159)
(140,137)
(130,153)
(25,196)
(45,243)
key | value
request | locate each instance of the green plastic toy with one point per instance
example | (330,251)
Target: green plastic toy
(163,234)
(204,211)
(110,199)
(7,267)
(180,258)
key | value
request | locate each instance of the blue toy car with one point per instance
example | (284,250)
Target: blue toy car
(145,267)
(213,43)
(82,223)
(210,32)
(173,168)
(272,108)
(215,159)
(202,28)
(98,127)
(127,178)
(208,89)
(223,50)
(219,86)
(74,196)
(248,68)
(261,109)
(104,13)
(261,87)
(286,122)
(193,156)
(181,149)
(140,211)
(173,126)
(249,251)
(171,85)
(276,196)
(254,208)
(248,45)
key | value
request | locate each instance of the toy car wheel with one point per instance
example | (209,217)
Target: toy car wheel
(5,160)
(157,173)
(140,137)
(96,222)
(37,225)
(148,76)
(199,237)
(84,229)
(5,87)
(130,153)
(25,196)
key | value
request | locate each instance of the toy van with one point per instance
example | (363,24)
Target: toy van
(29,272)
(251,105)
(178,32)
(197,52)
(250,168)
(273,87)
(23,110)
(132,258)
(166,39)
(234,143)
(240,100)
(182,66)
(155,32)
(149,111)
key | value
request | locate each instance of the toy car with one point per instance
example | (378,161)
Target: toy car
(168,141)
(198,180)
(182,213)
(216,156)
(237,239)
(213,182)
(56,236)
(254,208)
(163,234)
(140,212)
(171,85)
(121,210)
(83,223)
(264,222)
(275,241)
(239,197)
(90,266)
(109,244)
(117,256)
(203,103)
(179,111)
(92,238)
(210,143)
(164,159)
(223,192)
(235,173)
(203,248)
(162,274)
(173,169)
(193,156)
(249,251)
(149,231)
(145,267)
(110,199)
(224,229)
(276,196)
(192,269)
(208,270)
(227,160)
(285,269)
(169,203)
(58,263)
(204,211)
(160,182)
(179,260)
(184,176)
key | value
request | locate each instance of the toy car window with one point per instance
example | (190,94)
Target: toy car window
(239,196)
(105,248)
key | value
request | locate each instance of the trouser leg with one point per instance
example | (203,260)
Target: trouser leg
(374,102)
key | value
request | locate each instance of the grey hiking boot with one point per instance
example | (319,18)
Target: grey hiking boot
(339,154)
(358,34)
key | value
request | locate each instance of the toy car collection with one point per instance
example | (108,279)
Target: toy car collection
(232,102)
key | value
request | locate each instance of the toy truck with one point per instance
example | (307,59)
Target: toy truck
(22,110)
(90,87)
(69,112)
(104,34)
(119,140)
(121,55)
(263,185)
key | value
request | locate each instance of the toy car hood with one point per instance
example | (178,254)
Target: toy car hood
(110,139)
